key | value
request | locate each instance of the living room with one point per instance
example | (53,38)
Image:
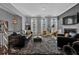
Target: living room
(39,29)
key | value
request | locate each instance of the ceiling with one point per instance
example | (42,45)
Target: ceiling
(10,8)
(42,9)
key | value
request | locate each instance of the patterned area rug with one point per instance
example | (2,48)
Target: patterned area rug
(48,46)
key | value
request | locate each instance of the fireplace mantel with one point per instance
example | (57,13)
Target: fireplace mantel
(70,30)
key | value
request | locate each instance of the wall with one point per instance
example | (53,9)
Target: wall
(72,11)
(19,23)
(4,15)
(39,18)
(23,23)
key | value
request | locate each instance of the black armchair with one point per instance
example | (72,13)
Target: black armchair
(68,50)
(61,41)
(76,46)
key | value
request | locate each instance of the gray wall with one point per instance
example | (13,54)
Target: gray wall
(28,20)
(19,23)
(70,12)
(4,15)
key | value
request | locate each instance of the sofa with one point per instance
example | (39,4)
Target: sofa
(16,40)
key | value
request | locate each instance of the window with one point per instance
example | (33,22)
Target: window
(34,26)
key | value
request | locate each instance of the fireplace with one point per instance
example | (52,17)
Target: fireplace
(68,30)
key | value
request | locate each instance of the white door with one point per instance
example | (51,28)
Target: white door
(34,26)
(53,25)
(43,25)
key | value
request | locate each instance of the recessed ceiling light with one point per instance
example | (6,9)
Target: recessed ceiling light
(43,9)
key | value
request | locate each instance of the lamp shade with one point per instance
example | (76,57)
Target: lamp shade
(14,20)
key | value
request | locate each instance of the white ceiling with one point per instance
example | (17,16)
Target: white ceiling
(43,9)
(10,8)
